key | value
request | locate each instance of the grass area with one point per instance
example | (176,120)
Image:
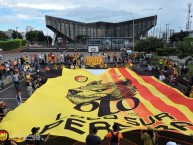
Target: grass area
(155,60)
(190,70)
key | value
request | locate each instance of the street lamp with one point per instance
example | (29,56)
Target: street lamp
(154,21)
(16,31)
(133,31)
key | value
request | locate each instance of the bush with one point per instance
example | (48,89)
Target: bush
(10,45)
(166,51)
(24,42)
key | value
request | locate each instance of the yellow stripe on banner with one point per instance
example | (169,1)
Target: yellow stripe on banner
(184,110)
(161,96)
(157,80)
(181,107)
(122,114)
(150,107)
(113,103)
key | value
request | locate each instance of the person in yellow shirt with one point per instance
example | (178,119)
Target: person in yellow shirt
(62,66)
(91,65)
(28,78)
(55,67)
(175,72)
(76,66)
(26,59)
(191,92)
(148,136)
(78,61)
(101,65)
(105,65)
(170,64)
(26,68)
(161,61)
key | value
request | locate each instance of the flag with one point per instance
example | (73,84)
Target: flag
(72,104)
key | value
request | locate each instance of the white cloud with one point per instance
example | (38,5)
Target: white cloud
(44,6)
(22,16)
(27,12)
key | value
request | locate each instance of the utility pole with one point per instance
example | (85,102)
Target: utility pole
(188,22)
(160,30)
(166,33)
(155,21)
(133,32)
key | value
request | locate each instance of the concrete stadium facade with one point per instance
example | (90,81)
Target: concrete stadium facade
(102,34)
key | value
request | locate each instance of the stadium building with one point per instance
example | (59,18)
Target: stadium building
(69,33)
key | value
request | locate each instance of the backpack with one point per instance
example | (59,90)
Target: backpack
(30,140)
(114,138)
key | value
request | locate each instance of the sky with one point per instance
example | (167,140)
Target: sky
(23,13)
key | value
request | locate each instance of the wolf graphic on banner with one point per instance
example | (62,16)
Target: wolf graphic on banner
(96,90)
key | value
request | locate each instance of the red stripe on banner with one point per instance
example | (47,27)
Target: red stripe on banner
(141,109)
(156,101)
(172,94)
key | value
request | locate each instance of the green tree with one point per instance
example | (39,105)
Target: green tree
(32,36)
(16,35)
(3,36)
(149,44)
(178,36)
(185,48)
(40,36)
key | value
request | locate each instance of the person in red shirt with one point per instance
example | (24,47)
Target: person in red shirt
(114,136)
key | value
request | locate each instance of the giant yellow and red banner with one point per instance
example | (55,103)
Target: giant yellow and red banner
(70,105)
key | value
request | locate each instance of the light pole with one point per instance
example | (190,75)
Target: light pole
(16,31)
(133,31)
(167,31)
(154,21)
(47,37)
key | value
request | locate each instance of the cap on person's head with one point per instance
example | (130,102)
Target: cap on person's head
(94,130)
(34,129)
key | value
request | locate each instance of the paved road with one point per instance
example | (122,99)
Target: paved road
(8,94)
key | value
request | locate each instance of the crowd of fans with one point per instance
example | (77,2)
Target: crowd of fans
(173,73)
(29,68)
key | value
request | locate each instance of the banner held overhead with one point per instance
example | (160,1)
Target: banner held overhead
(72,104)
